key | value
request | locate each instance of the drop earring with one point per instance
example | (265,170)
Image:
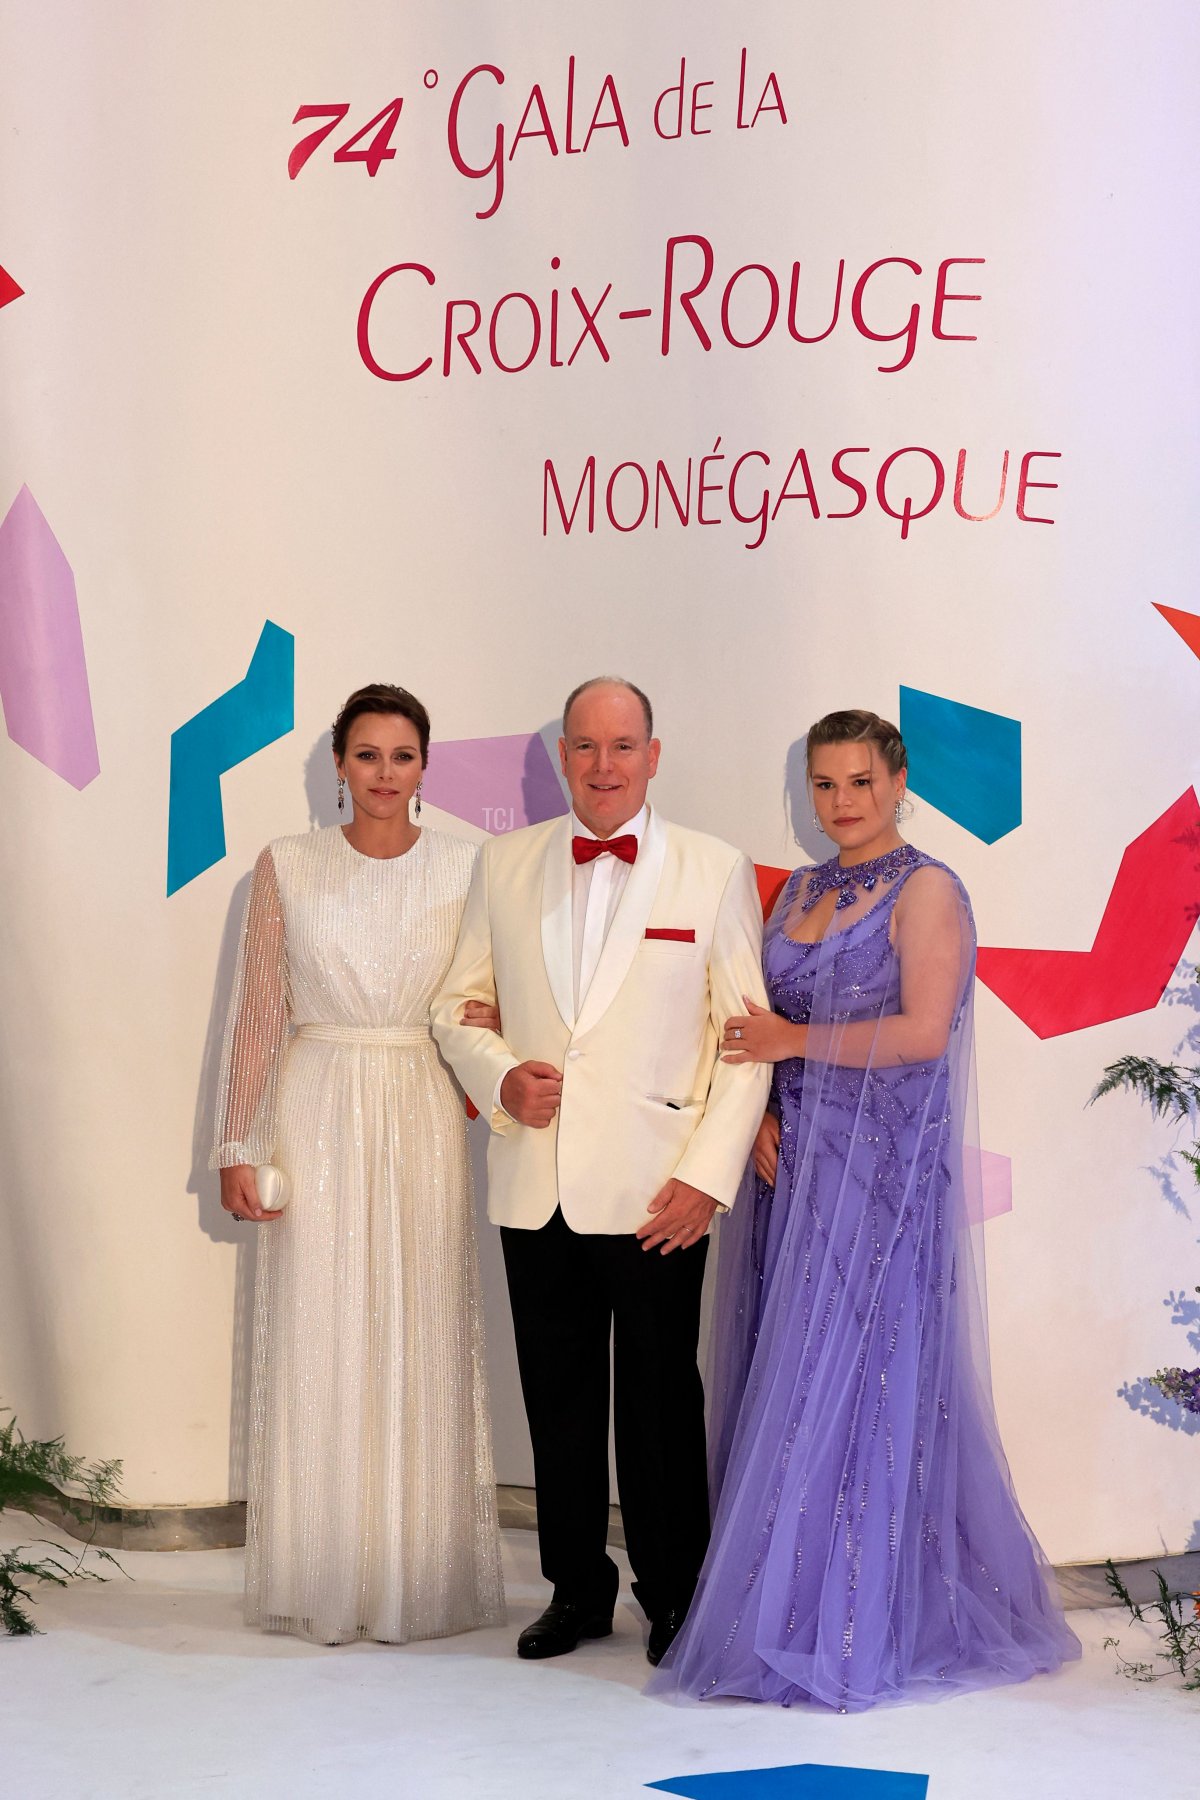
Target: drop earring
(818,825)
(418,806)
(899,810)
(341,793)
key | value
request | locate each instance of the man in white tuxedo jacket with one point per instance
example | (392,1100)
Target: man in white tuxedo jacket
(615,945)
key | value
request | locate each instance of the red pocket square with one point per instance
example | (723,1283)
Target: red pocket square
(676,935)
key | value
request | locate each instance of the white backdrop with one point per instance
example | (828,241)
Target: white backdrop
(184,395)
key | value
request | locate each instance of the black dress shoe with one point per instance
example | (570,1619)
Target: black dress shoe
(663,1631)
(561,1626)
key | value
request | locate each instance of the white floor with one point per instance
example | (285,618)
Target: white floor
(150,1688)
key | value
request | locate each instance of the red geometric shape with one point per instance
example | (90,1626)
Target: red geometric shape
(1185,623)
(8,288)
(1147,922)
(770,885)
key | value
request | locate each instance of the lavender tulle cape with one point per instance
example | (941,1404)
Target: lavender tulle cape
(867,1543)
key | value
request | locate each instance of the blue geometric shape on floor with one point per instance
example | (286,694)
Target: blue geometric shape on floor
(964,761)
(799,1781)
(242,721)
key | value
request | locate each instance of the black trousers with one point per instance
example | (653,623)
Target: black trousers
(570,1292)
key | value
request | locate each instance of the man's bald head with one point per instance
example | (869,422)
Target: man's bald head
(610,681)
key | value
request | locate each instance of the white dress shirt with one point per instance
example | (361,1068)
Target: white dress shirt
(596,889)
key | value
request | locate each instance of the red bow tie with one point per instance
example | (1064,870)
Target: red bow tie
(586,850)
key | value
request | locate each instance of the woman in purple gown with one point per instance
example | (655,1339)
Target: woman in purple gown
(867,1543)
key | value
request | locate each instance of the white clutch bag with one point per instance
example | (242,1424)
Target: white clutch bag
(273,1187)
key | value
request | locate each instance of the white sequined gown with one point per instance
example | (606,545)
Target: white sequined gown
(372,1509)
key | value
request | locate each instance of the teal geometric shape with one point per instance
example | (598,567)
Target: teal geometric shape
(239,723)
(964,761)
(799,1781)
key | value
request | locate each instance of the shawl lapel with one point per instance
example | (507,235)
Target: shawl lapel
(556,920)
(626,931)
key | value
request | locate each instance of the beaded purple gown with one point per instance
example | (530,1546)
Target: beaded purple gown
(867,1543)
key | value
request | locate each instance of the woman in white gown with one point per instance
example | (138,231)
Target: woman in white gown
(372,1508)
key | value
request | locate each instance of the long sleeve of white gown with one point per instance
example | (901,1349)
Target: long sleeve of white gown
(256,1032)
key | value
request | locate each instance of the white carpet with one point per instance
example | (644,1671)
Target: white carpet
(153,1687)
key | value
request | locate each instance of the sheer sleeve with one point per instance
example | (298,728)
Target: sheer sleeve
(256,1031)
(934,941)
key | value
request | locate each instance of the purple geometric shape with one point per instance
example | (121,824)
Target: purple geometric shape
(43,669)
(497,783)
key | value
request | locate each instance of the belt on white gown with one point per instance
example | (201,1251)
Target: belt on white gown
(368,1034)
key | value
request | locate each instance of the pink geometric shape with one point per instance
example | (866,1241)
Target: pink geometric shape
(497,783)
(43,670)
(992,1194)
(1148,918)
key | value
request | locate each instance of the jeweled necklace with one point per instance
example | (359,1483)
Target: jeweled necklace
(867,875)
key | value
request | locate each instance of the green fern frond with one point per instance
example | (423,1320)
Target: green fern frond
(33,1470)
(1112,1576)
(1169,1091)
(44,1469)
(1178,1616)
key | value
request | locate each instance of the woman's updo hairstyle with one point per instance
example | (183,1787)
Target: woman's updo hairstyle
(381,697)
(859,728)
